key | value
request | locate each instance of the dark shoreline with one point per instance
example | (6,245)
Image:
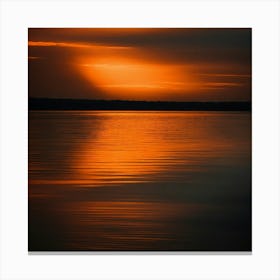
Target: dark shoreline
(85,104)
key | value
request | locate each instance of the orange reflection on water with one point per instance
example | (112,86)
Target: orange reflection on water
(133,147)
(126,149)
(138,180)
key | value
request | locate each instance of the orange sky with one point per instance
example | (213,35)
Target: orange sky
(140,64)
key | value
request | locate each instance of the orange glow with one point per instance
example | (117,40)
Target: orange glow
(130,78)
(133,73)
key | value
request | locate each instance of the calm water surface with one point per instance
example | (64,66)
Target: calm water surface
(139,181)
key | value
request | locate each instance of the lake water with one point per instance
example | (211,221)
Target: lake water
(134,180)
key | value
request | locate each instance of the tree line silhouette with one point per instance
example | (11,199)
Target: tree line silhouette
(86,104)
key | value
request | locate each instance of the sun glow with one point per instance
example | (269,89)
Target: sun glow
(122,77)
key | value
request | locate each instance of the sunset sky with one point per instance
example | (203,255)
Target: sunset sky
(175,64)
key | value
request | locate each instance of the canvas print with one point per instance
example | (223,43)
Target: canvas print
(139,139)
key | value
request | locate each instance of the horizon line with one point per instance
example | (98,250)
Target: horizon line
(131,100)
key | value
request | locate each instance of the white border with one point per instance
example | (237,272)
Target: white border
(262,16)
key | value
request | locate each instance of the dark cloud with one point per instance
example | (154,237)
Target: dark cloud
(52,75)
(181,44)
(191,37)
